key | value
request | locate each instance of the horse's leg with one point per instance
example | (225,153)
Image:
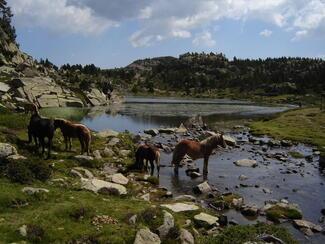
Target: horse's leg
(66,143)
(152,167)
(42,143)
(158,163)
(205,166)
(70,143)
(82,146)
(49,145)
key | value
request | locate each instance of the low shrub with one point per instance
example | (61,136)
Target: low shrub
(18,171)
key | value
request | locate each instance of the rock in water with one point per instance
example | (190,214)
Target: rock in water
(145,236)
(246,163)
(180,207)
(205,220)
(152,132)
(229,140)
(181,129)
(167,225)
(202,188)
(304,224)
(186,237)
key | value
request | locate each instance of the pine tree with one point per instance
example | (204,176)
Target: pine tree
(5,21)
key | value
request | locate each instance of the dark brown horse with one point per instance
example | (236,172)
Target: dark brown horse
(40,128)
(197,150)
(149,153)
(71,130)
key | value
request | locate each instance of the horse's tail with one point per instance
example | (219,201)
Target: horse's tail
(87,140)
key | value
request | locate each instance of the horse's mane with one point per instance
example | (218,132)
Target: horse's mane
(211,140)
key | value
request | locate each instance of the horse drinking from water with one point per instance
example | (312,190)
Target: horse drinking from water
(196,150)
(71,130)
(149,153)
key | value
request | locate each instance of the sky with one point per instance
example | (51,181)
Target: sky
(114,33)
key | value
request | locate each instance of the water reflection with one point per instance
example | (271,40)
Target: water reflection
(137,113)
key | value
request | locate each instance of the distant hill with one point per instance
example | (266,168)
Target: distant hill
(199,72)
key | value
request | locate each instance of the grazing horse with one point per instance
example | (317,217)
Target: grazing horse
(149,153)
(39,128)
(71,130)
(197,150)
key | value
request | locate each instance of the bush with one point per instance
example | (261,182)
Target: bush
(153,180)
(25,171)
(40,170)
(17,171)
(152,217)
(80,213)
(35,233)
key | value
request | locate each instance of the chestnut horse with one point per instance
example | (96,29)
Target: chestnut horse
(197,150)
(71,130)
(149,153)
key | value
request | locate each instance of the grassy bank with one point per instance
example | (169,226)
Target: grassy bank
(305,125)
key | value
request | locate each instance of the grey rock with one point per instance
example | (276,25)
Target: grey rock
(300,223)
(4,87)
(246,163)
(181,207)
(6,150)
(230,140)
(202,188)
(23,230)
(95,185)
(167,225)
(112,142)
(108,152)
(206,220)
(118,178)
(83,158)
(133,219)
(33,190)
(152,132)
(186,237)
(82,173)
(145,236)
(97,155)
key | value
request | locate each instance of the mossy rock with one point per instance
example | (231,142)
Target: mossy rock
(276,213)
(296,154)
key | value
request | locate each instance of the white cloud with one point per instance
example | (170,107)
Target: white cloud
(57,15)
(204,39)
(266,33)
(163,19)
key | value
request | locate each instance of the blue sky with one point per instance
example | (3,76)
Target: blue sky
(113,33)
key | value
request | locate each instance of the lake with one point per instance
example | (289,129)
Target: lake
(139,113)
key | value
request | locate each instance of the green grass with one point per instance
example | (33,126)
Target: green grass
(244,233)
(302,125)
(53,214)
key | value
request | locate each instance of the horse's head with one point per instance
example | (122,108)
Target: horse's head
(58,123)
